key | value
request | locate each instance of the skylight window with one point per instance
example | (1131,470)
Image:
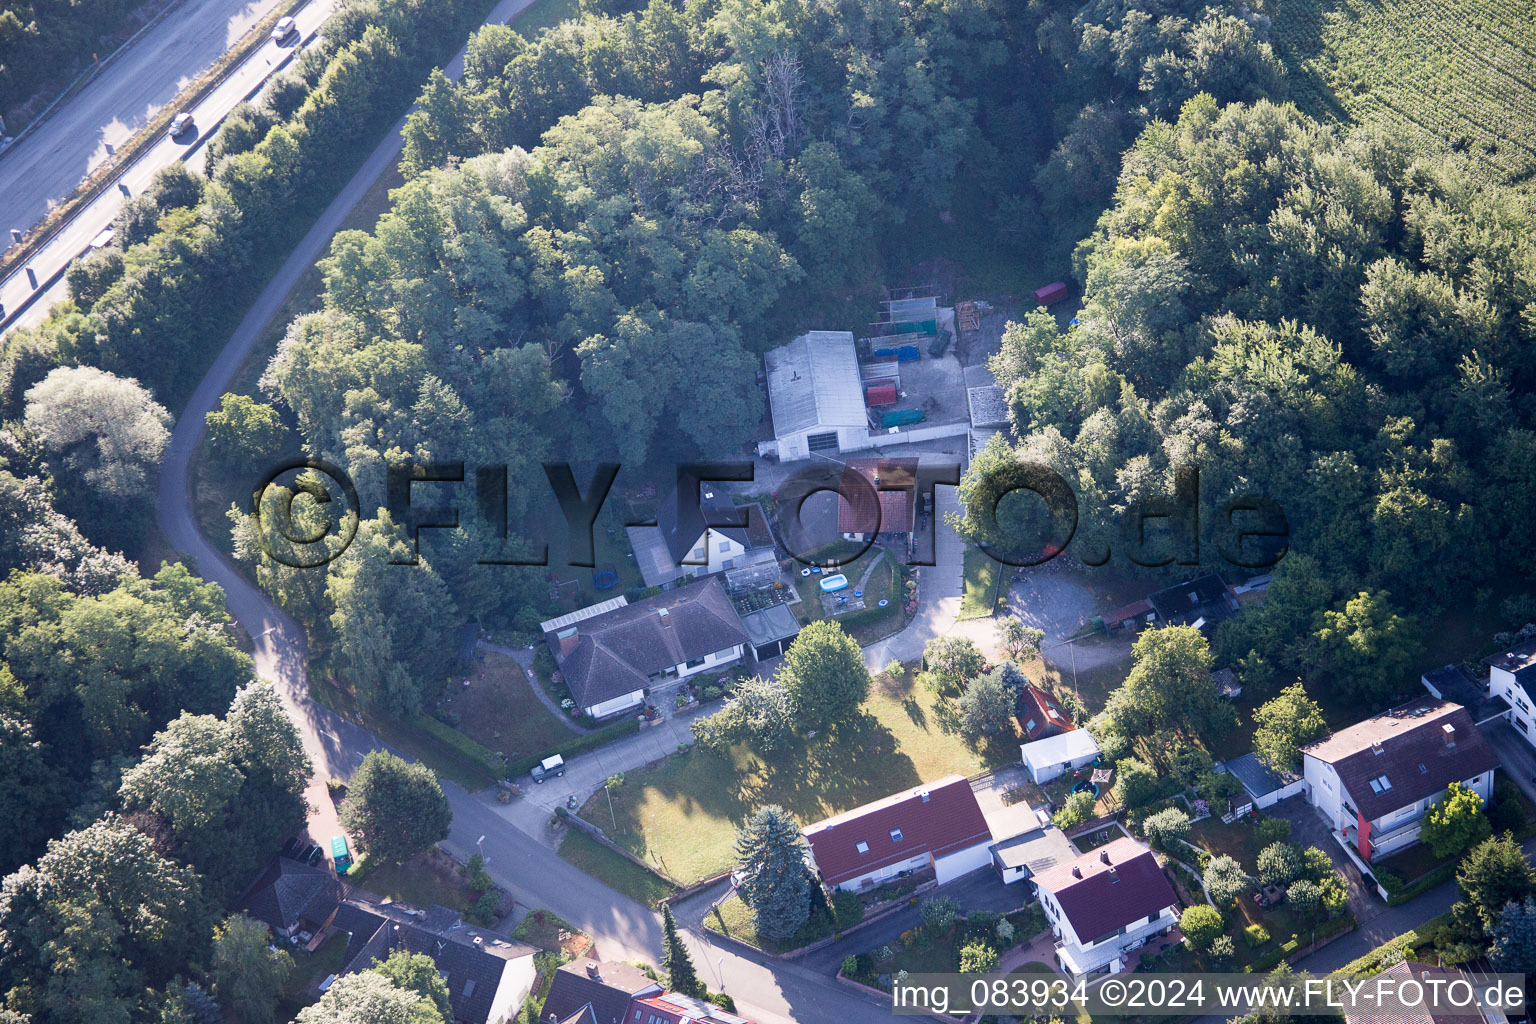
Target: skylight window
(862,847)
(896,835)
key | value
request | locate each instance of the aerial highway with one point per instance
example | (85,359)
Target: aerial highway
(28,291)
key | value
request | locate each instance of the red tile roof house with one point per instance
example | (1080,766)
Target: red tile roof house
(1413,1010)
(1373,781)
(1040,716)
(1105,904)
(588,992)
(869,513)
(937,824)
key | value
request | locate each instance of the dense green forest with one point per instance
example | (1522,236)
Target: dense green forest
(603,230)
(1318,316)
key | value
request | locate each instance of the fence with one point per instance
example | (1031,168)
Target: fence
(1237,811)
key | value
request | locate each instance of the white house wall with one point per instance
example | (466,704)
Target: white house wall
(1046,772)
(710,661)
(1081,959)
(962,862)
(1521,714)
(516,984)
(1275,796)
(878,875)
(617,704)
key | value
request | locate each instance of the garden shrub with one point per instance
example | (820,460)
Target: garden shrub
(847,910)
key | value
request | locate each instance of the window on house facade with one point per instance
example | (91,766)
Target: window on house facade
(724,546)
(695,663)
(822,442)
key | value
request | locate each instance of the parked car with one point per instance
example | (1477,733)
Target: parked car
(180,124)
(550,766)
(284,28)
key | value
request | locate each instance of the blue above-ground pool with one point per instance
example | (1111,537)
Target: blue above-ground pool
(831,583)
(1086,787)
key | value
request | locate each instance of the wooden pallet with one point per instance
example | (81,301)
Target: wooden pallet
(966,317)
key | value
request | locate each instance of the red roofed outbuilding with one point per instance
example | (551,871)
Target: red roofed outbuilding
(937,824)
(1040,715)
(889,486)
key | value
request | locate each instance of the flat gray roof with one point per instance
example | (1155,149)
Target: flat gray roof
(1257,779)
(988,407)
(813,382)
(776,622)
(1038,850)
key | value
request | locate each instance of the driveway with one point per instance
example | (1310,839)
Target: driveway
(939,588)
(1309,828)
(1516,756)
(1058,599)
(586,773)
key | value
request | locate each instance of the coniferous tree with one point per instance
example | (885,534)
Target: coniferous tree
(776,885)
(681,976)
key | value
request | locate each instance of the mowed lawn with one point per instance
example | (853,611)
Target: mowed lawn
(681,813)
(498,708)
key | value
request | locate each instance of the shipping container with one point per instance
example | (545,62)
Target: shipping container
(1053,292)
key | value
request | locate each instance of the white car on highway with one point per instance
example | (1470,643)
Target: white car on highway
(284,28)
(179,124)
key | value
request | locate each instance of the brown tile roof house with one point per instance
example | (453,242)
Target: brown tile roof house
(589,991)
(625,649)
(1110,888)
(1040,716)
(1420,748)
(938,818)
(856,513)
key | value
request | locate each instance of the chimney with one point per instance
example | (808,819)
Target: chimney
(1104,856)
(592,970)
(1077,872)
(1450,734)
(1114,874)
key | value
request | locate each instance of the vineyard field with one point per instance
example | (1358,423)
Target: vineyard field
(1457,73)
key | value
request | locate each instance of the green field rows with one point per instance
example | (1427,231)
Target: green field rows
(1447,72)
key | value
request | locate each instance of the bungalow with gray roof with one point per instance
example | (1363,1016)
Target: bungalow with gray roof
(611,653)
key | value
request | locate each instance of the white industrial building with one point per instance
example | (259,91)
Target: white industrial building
(816,396)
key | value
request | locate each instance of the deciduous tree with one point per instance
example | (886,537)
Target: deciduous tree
(1455,822)
(395,809)
(248,976)
(1284,725)
(823,672)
